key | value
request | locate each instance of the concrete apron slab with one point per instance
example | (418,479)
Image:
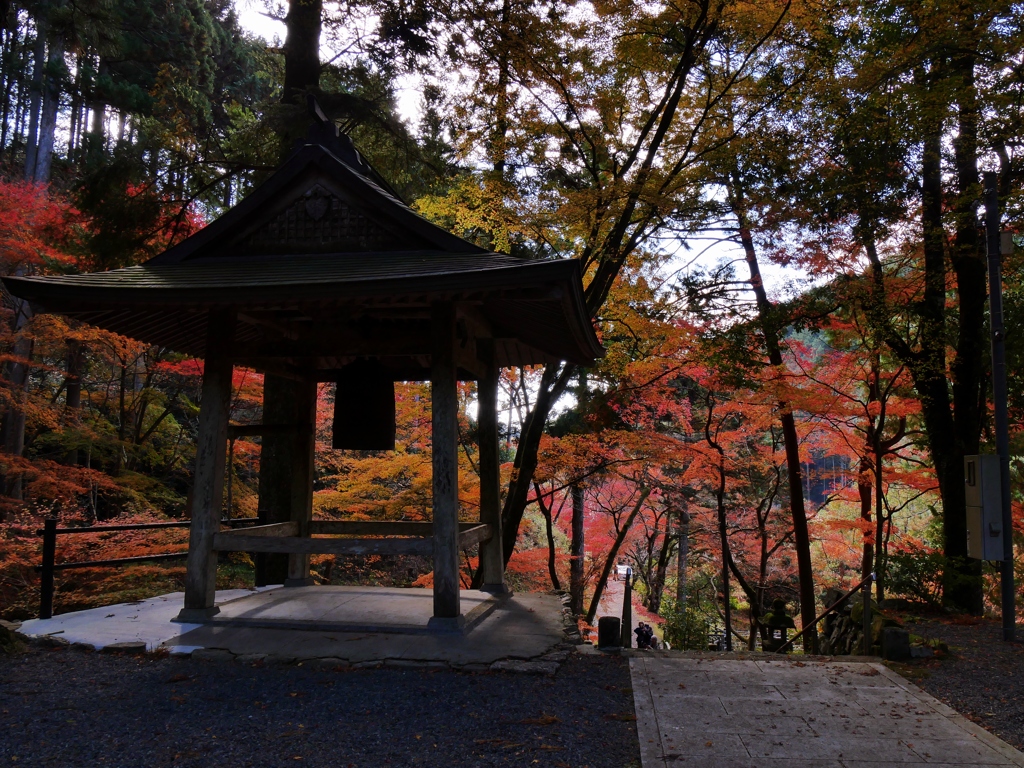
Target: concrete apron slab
(148,621)
(391,610)
(522,633)
(709,711)
(524,627)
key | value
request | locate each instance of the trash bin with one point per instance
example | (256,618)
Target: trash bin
(608,632)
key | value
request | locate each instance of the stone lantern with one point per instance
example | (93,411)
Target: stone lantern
(778,623)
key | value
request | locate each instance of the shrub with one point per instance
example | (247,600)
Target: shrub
(914,572)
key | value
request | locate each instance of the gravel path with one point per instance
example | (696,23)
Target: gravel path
(64,707)
(983,678)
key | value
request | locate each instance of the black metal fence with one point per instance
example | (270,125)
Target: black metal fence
(49,567)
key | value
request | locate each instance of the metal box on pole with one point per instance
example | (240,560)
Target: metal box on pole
(983,485)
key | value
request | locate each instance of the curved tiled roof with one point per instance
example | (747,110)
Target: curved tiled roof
(322,262)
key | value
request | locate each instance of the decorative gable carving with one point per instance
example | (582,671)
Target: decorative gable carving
(319,221)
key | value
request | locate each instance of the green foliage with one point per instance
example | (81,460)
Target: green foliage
(686,630)
(915,573)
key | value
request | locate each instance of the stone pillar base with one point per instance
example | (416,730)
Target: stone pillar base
(195,615)
(496,589)
(447,624)
(307,581)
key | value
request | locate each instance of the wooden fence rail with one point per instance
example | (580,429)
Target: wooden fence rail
(49,566)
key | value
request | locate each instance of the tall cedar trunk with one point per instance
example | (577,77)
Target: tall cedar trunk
(951,407)
(301,49)
(280,395)
(498,138)
(577,551)
(961,588)
(48,111)
(73,395)
(769,325)
(75,110)
(35,102)
(613,554)
(968,369)
(7,38)
(94,140)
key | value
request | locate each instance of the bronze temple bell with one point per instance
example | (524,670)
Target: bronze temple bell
(364,408)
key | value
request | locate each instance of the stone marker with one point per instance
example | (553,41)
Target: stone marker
(609,632)
(895,644)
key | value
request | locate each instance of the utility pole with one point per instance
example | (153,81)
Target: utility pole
(995,299)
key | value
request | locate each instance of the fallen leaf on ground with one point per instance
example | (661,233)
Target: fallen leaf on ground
(542,720)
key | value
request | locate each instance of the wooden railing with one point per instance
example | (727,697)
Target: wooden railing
(384,538)
(49,566)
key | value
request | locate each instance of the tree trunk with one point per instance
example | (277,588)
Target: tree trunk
(15,420)
(301,48)
(122,423)
(545,510)
(864,483)
(609,563)
(48,111)
(656,586)
(577,551)
(769,323)
(723,540)
(969,367)
(94,140)
(35,101)
(681,555)
(552,384)
(73,396)
(18,375)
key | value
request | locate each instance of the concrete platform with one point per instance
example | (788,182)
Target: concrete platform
(351,609)
(345,625)
(710,712)
(148,621)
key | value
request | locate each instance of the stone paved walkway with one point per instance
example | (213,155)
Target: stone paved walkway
(717,713)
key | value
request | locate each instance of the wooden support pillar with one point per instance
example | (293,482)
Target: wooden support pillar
(444,457)
(301,501)
(286,473)
(208,481)
(492,563)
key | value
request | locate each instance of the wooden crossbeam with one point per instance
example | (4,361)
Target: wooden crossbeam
(273,529)
(253,430)
(280,537)
(301,545)
(377,528)
(475,535)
